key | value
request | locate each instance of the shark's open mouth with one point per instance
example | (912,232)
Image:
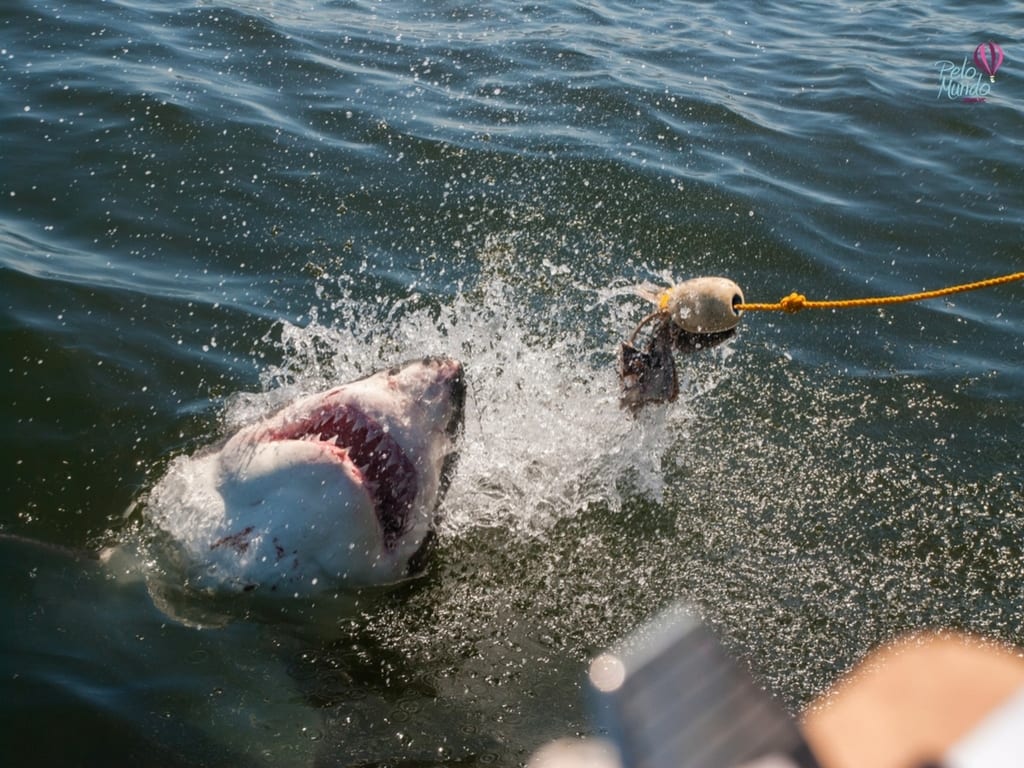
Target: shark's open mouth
(389,476)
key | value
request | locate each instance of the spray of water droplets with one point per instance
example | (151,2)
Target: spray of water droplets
(545,436)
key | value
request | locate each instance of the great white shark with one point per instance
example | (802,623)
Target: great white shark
(337,489)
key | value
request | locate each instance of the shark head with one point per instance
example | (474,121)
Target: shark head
(337,489)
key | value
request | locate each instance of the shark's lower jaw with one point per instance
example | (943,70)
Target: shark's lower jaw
(389,476)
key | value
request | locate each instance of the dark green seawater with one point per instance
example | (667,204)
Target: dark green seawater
(208,206)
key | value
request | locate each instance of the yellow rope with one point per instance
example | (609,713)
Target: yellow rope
(795,301)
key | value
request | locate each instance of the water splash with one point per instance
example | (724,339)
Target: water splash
(545,437)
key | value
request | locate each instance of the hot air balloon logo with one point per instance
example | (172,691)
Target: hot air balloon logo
(988,57)
(966,83)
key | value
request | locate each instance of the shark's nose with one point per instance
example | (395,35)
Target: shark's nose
(454,374)
(457,386)
(448,367)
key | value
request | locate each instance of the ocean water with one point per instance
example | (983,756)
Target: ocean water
(209,207)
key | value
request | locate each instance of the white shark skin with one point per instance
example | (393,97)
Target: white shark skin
(279,510)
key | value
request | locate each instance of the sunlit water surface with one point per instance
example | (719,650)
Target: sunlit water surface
(207,209)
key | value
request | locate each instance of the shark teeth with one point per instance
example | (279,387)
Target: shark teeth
(390,478)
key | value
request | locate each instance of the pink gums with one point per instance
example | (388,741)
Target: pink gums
(389,476)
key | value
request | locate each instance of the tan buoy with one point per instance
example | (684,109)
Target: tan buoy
(702,305)
(696,314)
